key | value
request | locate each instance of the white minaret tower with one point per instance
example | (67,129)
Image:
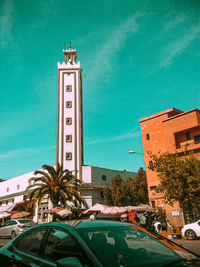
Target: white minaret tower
(69,114)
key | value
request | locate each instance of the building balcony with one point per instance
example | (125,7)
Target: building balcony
(190,145)
(187,143)
(154,195)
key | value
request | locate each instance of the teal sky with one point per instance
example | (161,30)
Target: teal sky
(138,58)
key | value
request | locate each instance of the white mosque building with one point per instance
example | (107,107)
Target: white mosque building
(69,151)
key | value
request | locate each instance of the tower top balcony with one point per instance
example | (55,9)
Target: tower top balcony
(70,54)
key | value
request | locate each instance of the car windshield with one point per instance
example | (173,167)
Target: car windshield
(125,247)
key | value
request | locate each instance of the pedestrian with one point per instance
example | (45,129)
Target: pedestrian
(124,217)
(157,226)
(93,216)
(136,220)
(169,227)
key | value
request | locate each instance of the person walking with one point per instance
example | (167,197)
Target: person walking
(157,227)
(93,216)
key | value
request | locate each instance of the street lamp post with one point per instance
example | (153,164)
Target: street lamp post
(133,152)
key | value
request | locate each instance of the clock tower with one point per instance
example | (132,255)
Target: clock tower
(69,150)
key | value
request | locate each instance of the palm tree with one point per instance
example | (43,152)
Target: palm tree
(57,184)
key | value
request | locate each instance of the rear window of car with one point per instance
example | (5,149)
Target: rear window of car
(25,221)
(10,223)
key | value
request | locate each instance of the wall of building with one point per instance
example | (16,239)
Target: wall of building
(92,196)
(104,176)
(166,132)
(100,176)
(176,127)
(69,150)
(15,185)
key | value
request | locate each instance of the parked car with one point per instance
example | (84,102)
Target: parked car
(191,231)
(12,228)
(93,243)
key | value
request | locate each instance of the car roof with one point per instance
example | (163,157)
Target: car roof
(79,224)
(96,223)
(189,224)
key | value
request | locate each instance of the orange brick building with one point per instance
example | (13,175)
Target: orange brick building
(169,131)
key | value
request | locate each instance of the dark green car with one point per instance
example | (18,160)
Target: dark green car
(93,243)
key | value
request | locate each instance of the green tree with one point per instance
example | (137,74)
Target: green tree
(128,192)
(57,184)
(140,187)
(107,196)
(179,179)
(112,193)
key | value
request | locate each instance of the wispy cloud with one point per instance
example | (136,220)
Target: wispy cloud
(104,59)
(23,152)
(172,23)
(48,8)
(177,47)
(131,134)
(6,22)
(8,42)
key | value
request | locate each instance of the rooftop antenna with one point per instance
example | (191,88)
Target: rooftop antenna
(64,45)
(70,45)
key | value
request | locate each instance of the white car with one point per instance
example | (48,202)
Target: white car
(191,231)
(15,227)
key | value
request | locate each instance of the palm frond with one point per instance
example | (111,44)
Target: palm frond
(45,174)
(33,186)
(50,169)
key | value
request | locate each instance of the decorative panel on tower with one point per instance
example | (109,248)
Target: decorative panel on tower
(69,122)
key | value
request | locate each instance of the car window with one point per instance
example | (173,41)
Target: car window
(31,241)
(25,221)
(10,223)
(60,244)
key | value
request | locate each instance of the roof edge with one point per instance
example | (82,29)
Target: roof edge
(182,114)
(160,114)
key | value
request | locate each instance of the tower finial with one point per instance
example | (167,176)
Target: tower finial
(70,45)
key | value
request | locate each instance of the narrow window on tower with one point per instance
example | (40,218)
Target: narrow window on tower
(147,136)
(68,88)
(187,135)
(68,121)
(68,156)
(68,104)
(69,138)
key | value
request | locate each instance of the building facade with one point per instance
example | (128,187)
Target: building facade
(169,131)
(13,191)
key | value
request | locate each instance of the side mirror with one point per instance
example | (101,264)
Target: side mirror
(69,262)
